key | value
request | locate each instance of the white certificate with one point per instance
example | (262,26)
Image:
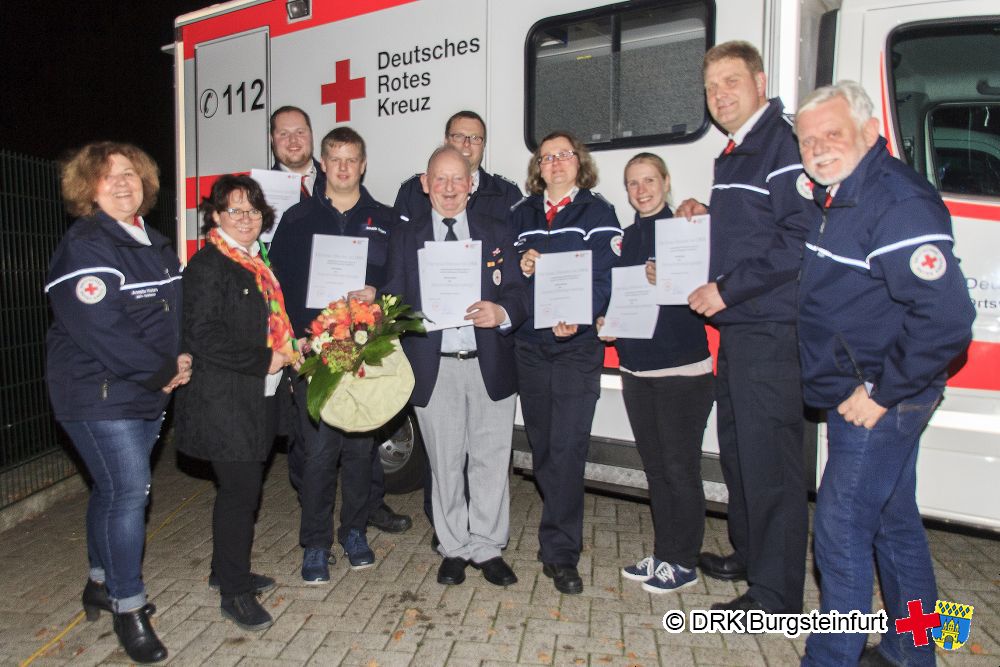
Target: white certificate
(337,266)
(681,258)
(450,281)
(564,289)
(281,190)
(633,311)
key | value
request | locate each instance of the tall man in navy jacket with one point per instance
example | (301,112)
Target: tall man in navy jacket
(465,380)
(343,208)
(759,222)
(491,194)
(883,310)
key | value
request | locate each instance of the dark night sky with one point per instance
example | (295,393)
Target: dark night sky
(79,71)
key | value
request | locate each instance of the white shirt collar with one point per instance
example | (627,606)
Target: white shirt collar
(475,181)
(136,232)
(254,247)
(744,130)
(574,191)
(461,226)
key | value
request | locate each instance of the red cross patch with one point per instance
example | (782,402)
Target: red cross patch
(927,262)
(91,289)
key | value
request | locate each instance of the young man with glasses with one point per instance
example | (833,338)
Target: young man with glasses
(491,194)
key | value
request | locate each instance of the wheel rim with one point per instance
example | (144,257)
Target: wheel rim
(396,450)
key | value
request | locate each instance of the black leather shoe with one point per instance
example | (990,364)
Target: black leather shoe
(497,572)
(388,521)
(434,542)
(138,638)
(727,568)
(452,571)
(565,577)
(95,598)
(743,602)
(245,611)
(261,584)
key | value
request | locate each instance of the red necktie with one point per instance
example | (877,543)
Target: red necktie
(729,147)
(828,200)
(136,221)
(305,190)
(550,213)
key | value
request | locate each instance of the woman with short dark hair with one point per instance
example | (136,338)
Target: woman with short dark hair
(236,328)
(114,285)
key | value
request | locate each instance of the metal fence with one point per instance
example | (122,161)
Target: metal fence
(33,453)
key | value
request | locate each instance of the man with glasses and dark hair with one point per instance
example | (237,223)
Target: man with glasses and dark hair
(491,194)
(342,208)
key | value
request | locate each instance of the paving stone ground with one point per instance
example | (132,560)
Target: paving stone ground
(395,613)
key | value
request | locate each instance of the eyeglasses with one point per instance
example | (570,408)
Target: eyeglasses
(239,213)
(561,156)
(459,138)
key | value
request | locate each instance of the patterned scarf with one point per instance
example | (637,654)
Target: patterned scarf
(279,328)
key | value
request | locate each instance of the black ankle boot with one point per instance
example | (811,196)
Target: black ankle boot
(95,598)
(138,638)
(245,611)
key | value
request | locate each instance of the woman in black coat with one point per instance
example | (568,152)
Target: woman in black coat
(236,328)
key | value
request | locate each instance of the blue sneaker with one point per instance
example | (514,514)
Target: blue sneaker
(668,578)
(643,570)
(357,551)
(314,565)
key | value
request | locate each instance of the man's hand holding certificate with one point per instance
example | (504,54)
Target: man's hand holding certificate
(682,248)
(450,281)
(633,311)
(563,289)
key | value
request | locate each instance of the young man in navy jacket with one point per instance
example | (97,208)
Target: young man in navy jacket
(491,194)
(883,310)
(344,208)
(465,380)
(759,221)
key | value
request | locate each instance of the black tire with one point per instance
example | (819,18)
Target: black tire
(404,459)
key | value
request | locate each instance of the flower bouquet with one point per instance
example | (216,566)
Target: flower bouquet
(359,377)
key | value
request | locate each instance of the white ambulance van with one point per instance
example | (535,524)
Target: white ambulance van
(624,76)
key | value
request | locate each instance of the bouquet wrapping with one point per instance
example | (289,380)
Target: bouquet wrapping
(359,377)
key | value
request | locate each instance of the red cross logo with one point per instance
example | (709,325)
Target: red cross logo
(90,289)
(342,90)
(929,261)
(917,623)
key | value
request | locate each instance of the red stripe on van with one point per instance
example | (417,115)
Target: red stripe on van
(976,211)
(885,110)
(272,15)
(200,187)
(979,371)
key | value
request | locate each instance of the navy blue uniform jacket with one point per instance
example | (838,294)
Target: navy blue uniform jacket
(494,197)
(291,248)
(882,298)
(109,356)
(496,348)
(759,222)
(679,338)
(587,223)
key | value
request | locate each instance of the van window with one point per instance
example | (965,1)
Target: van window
(946,88)
(619,78)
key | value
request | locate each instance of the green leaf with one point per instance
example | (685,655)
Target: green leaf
(309,366)
(321,387)
(377,350)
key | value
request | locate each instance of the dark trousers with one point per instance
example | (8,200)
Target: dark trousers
(289,428)
(324,448)
(236,501)
(668,417)
(376,493)
(760,424)
(559,386)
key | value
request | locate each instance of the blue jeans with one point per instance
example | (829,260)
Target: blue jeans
(116,453)
(867,502)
